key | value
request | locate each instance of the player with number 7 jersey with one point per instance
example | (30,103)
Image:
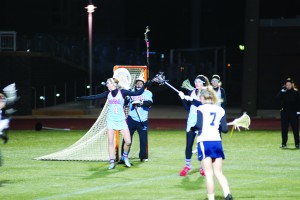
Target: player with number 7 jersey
(211,117)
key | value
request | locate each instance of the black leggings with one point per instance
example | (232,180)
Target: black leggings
(190,137)
(293,119)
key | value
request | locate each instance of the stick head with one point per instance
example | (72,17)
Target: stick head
(159,78)
(187,85)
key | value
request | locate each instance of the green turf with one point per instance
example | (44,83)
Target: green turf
(255,166)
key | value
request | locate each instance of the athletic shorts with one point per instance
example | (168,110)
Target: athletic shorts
(212,149)
(117,125)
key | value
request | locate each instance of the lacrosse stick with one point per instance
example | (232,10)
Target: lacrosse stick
(187,85)
(160,78)
(124,78)
(243,121)
(147,43)
(39,126)
(136,109)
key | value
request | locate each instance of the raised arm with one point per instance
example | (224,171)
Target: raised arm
(93,97)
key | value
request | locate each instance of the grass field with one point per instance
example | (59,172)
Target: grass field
(255,166)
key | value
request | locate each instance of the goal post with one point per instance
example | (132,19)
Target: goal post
(93,145)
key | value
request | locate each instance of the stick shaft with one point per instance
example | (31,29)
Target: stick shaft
(58,129)
(171,86)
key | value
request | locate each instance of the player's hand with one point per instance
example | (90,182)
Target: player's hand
(148,84)
(188,98)
(194,128)
(137,103)
(181,94)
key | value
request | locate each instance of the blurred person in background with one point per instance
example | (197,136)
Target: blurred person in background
(289,113)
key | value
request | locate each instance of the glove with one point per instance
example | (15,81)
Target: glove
(148,84)
(137,103)
(188,98)
(181,94)
(78,99)
(194,128)
(4,138)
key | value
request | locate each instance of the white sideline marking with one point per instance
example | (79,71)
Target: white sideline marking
(87,190)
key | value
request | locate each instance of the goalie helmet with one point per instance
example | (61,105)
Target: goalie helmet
(140,79)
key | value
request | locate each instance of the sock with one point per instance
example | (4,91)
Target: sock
(125,154)
(211,196)
(226,191)
(188,163)
(112,161)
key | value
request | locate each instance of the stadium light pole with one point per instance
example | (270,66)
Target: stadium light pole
(90,9)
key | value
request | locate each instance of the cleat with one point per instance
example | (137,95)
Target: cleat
(127,163)
(229,197)
(184,171)
(112,166)
(4,138)
(144,160)
(283,146)
(297,146)
(202,173)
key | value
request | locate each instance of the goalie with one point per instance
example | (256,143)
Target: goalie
(137,120)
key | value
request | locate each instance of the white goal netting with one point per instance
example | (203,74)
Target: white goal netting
(93,146)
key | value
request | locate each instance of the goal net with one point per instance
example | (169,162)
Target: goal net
(93,146)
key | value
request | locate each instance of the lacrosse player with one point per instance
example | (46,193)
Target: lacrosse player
(137,120)
(7,100)
(116,119)
(222,100)
(210,117)
(191,102)
(290,100)
(216,83)
(4,120)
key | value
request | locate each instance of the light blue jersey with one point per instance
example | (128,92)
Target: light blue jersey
(116,114)
(141,111)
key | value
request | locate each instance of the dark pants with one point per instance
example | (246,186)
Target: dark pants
(190,137)
(286,119)
(142,129)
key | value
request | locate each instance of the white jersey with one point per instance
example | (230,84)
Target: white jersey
(211,117)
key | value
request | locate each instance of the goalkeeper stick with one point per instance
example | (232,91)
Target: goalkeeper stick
(160,78)
(243,121)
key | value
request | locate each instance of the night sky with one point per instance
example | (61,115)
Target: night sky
(173,24)
(170,22)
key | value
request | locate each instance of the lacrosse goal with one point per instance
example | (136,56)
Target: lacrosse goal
(93,146)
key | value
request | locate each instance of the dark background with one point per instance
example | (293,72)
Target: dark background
(205,27)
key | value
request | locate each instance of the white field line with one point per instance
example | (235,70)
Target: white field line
(93,189)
